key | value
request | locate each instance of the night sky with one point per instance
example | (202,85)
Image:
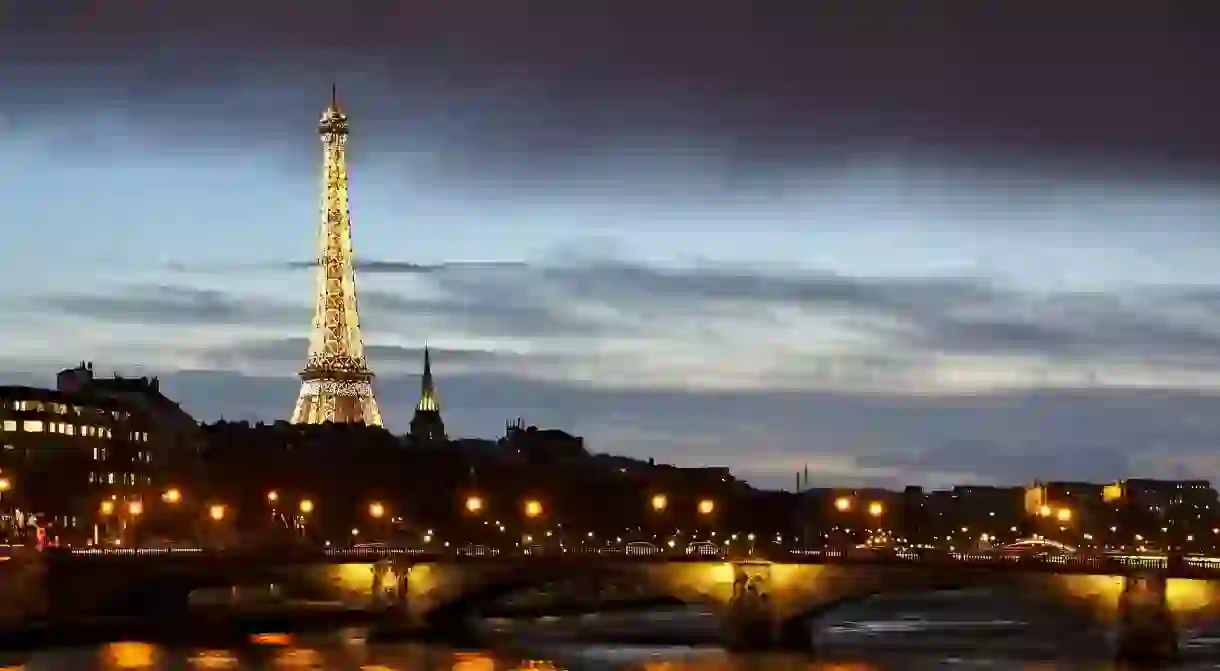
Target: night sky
(943,242)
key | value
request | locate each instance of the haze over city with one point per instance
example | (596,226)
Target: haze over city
(921,247)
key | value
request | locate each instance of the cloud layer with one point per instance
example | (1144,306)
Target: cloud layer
(869,379)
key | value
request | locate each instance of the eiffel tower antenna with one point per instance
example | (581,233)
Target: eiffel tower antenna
(336,383)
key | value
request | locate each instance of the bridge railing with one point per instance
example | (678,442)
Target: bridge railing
(812,556)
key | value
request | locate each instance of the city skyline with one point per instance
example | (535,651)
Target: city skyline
(924,255)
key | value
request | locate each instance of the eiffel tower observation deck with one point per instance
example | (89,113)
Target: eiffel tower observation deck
(336,383)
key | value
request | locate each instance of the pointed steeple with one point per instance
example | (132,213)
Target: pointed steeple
(427,391)
(427,427)
(427,380)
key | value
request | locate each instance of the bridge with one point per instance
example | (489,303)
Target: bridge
(761,602)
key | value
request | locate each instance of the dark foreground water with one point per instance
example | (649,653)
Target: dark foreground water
(962,631)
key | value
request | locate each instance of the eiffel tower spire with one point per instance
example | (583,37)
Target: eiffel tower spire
(336,383)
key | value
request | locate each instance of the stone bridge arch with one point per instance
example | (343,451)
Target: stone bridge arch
(444,594)
(804,593)
(159,588)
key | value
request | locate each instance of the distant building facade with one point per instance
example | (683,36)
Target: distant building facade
(62,452)
(65,450)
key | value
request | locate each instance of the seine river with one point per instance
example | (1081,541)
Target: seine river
(959,631)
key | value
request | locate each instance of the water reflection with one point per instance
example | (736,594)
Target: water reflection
(129,655)
(214,660)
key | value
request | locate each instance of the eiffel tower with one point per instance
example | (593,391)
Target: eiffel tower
(336,383)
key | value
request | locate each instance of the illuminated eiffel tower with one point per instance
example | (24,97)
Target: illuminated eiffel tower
(336,383)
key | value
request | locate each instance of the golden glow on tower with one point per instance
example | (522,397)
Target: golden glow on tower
(336,383)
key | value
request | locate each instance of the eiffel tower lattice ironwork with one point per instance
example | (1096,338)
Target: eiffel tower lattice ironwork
(336,383)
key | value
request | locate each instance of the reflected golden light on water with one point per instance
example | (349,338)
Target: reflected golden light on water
(472,661)
(271,639)
(213,660)
(129,655)
(298,658)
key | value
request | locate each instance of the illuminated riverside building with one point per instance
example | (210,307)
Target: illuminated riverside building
(61,452)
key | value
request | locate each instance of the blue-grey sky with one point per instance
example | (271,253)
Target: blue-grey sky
(925,245)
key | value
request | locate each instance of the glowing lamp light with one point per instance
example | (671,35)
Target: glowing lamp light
(306,506)
(216,512)
(376,510)
(474,504)
(1044,511)
(706,506)
(659,502)
(533,508)
(1063,515)
(5,485)
(135,508)
(107,507)
(171,496)
(843,504)
(876,509)
(273,496)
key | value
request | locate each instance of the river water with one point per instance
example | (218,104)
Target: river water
(958,631)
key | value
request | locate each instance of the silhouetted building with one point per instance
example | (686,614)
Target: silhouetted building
(176,428)
(543,445)
(427,427)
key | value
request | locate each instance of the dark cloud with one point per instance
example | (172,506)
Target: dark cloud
(487,312)
(292,351)
(948,315)
(175,305)
(534,86)
(408,268)
(914,317)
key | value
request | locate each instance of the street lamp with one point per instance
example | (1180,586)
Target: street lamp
(843,504)
(376,510)
(135,508)
(706,506)
(273,496)
(474,505)
(171,496)
(216,512)
(659,502)
(875,509)
(533,508)
(5,485)
(107,507)
(306,506)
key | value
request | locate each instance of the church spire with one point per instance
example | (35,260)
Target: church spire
(427,391)
(427,427)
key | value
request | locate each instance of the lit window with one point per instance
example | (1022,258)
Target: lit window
(10,425)
(32,425)
(70,429)
(110,478)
